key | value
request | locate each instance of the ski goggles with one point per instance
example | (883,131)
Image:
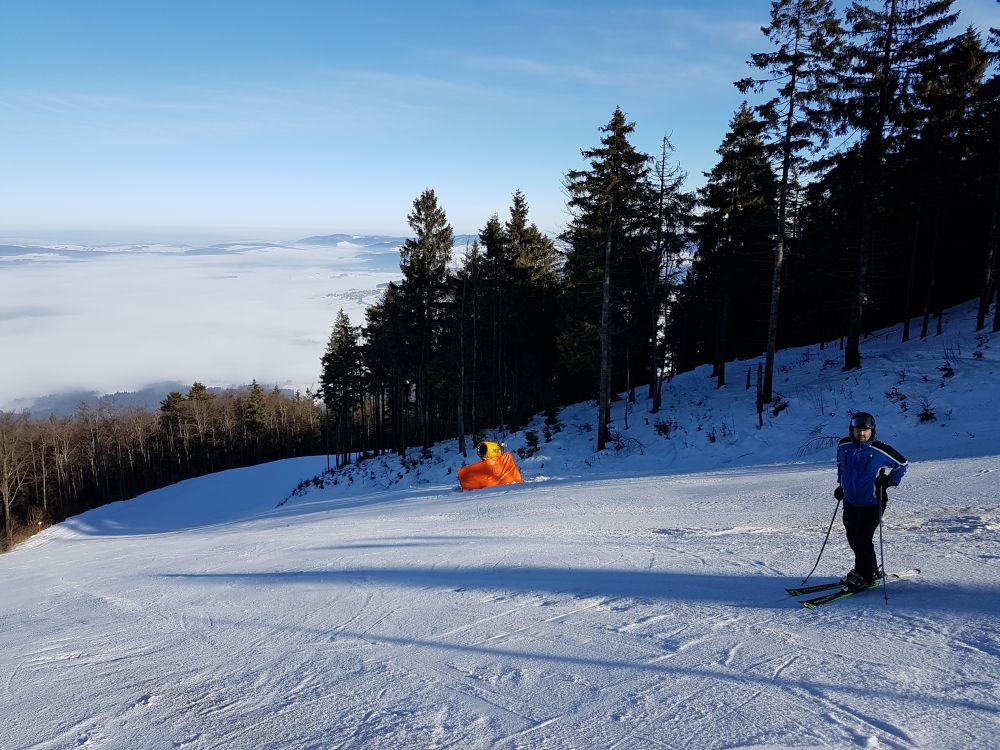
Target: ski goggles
(863,421)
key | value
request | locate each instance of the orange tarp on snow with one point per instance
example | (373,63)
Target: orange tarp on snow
(490,472)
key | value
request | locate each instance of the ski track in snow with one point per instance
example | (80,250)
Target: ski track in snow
(630,603)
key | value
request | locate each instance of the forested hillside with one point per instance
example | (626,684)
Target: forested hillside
(858,187)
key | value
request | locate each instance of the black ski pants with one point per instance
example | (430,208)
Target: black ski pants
(860,522)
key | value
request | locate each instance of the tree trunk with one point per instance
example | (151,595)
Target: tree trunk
(873,152)
(473,419)
(911,280)
(654,350)
(721,343)
(6,514)
(656,291)
(657,373)
(991,249)
(628,385)
(604,392)
(779,248)
(852,352)
(772,321)
(461,368)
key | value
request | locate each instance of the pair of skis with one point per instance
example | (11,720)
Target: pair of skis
(840,591)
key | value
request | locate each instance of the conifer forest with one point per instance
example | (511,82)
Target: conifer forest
(857,186)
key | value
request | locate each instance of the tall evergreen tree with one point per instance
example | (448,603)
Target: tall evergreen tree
(341,385)
(935,188)
(424,263)
(886,45)
(387,355)
(512,274)
(473,277)
(257,417)
(806,35)
(987,118)
(726,287)
(531,313)
(496,278)
(610,230)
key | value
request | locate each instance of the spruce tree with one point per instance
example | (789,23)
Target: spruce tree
(496,281)
(387,352)
(610,229)
(257,418)
(986,114)
(887,43)
(734,238)
(806,35)
(934,177)
(341,384)
(424,263)
(530,319)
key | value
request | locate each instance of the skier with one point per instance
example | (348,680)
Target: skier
(865,468)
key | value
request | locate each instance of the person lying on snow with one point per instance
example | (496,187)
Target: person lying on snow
(866,467)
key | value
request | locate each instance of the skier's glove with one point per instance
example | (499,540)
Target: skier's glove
(839,492)
(884,481)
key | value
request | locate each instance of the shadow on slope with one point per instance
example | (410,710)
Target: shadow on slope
(644,585)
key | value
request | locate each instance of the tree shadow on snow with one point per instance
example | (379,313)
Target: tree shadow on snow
(754,591)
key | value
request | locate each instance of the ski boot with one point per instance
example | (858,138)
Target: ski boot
(855,582)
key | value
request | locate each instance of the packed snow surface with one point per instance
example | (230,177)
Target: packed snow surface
(630,599)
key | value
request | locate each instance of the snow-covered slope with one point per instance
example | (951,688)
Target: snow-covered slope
(632,599)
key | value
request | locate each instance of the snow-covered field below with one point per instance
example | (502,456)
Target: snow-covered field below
(633,599)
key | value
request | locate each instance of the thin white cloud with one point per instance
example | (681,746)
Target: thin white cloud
(554,71)
(628,47)
(331,100)
(663,26)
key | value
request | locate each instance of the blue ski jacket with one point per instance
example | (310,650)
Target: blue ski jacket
(859,465)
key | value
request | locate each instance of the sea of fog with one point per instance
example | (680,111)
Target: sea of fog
(80,320)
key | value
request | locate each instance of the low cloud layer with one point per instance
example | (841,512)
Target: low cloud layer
(119,318)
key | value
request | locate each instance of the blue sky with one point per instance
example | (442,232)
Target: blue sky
(291,118)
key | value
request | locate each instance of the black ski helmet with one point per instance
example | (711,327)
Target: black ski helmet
(864,419)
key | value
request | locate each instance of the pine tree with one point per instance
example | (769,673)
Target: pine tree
(531,313)
(734,237)
(387,356)
(611,227)
(256,414)
(886,46)
(511,278)
(986,115)
(472,276)
(806,34)
(340,384)
(424,263)
(496,278)
(934,175)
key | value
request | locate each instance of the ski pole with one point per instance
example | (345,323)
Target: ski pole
(882,501)
(835,509)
